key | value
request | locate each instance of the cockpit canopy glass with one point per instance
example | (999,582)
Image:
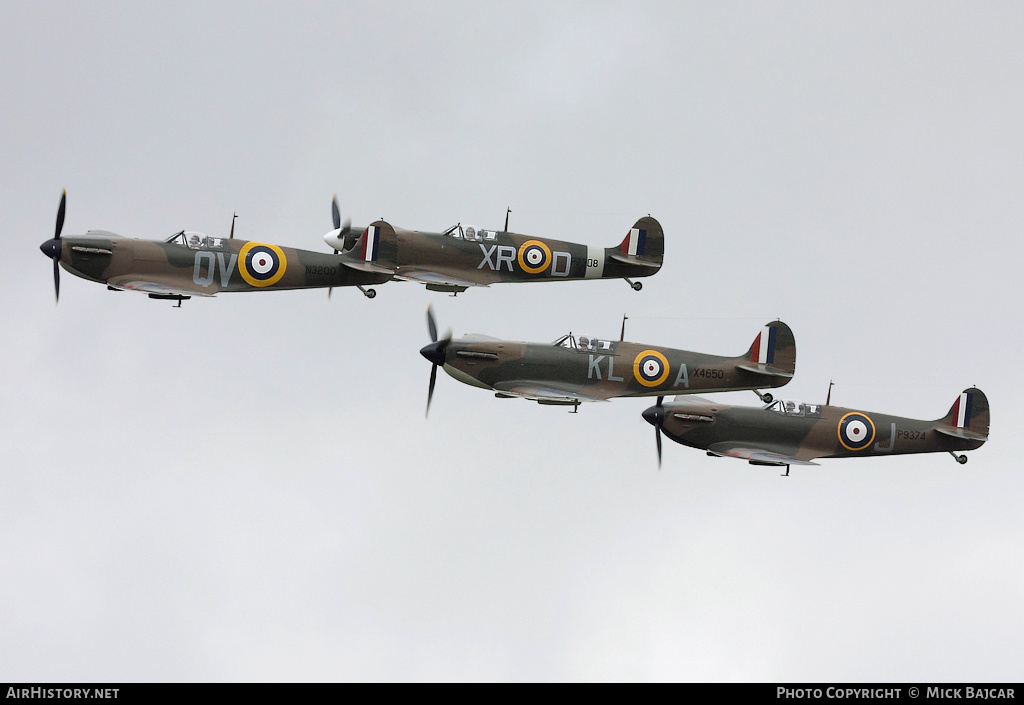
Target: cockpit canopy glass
(583,343)
(196,241)
(469,233)
(795,408)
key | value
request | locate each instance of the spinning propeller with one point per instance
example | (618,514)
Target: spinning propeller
(344,232)
(435,352)
(52,248)
(655,415)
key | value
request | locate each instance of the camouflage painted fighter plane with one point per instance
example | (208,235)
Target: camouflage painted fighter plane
(791,433)
(463,256)
(573,369)
(191,264)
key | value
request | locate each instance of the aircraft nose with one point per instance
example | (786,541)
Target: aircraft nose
(51,248)
(654,415)
(434,351)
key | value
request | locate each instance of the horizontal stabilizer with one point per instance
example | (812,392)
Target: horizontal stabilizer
(962,433)
(630,259)
(766,370)
(367,266)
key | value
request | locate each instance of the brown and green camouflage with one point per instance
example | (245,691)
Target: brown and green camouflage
(795,433)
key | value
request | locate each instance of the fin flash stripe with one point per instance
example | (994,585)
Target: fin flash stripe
(764,346)
(962,411)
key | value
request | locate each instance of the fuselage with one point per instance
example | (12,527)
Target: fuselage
(493,257)
(472,257)
(595,368)
(204,266)
(805,431)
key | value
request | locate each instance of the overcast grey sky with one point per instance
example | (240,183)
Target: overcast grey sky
(247,489)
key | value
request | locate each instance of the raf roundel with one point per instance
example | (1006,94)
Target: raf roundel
(650,368)
(262,265)
(856,431)
(534,256)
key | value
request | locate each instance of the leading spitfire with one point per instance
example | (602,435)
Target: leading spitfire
(191,264)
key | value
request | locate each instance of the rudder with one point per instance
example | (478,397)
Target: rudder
(969,413)
(645,240)
(774,347)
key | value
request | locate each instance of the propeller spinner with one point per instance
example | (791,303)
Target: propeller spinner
(52,248)
(434,352)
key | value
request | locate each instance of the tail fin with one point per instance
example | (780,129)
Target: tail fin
(376,250)
(968,417)
(772,353)
(644,244)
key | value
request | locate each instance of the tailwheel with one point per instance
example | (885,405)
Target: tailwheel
(962,459)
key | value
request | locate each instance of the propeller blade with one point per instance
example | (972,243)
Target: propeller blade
(657,429)
(56,278)
(60,214)
(655,415)
(431,324)
(335,213)
(430,391)
(435,351)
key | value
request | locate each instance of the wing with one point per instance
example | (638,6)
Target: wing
(149,285)
(755,456)
(542,394)
(438,281)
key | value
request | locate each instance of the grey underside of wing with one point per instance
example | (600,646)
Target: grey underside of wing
(542,393)
(149,286)
(756,455)
(436,278)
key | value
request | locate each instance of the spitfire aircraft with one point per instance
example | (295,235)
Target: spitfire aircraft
(190,264)
(791,433)
(574,369)
(463,256)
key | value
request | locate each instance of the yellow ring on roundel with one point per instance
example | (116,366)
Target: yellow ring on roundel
(282,265)
(522,257)
(638,376)
(839,431)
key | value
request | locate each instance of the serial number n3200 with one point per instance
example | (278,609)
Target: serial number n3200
(319,270)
